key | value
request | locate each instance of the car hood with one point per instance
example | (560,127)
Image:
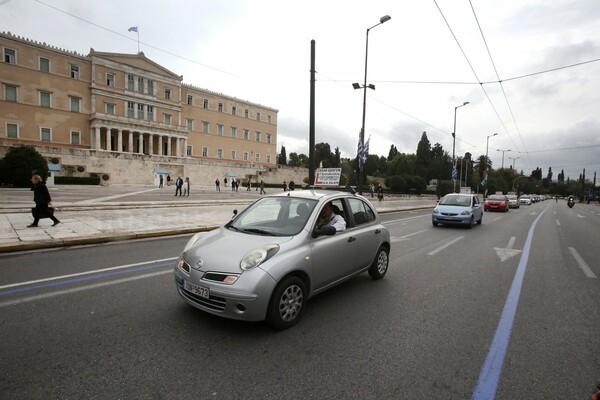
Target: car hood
(447,209)
(221,250)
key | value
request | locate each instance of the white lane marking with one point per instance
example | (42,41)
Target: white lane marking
(407,237)
(116,196)
(582,264)
(580,216)
(85,273)
(508,252)
(81,288)
(434,252)
(558,222)
(400,221)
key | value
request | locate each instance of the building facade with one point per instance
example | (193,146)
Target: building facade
(127,118)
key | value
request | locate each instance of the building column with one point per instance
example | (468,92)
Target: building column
(150,143)
(97,138)
(178,146)
(141,149)
(108,140)
(185,147)
(119,140)
(130,144)
(169,140)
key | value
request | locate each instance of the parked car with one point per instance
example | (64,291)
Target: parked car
(273,256)
(513,201)
(458,209)
(496,202)
(525,199)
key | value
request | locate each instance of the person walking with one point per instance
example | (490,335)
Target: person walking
(160,181)
(43,202)
(262,187)
(168,180)
(218,185)
(178,185)
(188,184)
(185,188)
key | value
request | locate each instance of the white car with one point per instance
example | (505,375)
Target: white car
(525,199)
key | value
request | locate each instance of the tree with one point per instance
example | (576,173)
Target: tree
(323,154)
(393,153)
(298,160)
(282,159)
(549,176)
(482,164)
(561,176)
(19,164)
(423,157)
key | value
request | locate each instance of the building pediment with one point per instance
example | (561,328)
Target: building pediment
(137,61)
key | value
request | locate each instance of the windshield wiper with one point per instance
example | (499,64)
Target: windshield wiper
(259,231)
(235,228)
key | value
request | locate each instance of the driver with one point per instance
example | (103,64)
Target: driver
(328,217)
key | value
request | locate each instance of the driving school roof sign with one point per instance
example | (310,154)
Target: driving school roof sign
(328,176)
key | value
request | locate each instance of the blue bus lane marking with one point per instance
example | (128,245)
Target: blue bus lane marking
(492,367)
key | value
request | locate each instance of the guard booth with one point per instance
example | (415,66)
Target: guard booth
(157,173)
(52,170)
(229,176)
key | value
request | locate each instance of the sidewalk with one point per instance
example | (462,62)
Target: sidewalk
(97,220)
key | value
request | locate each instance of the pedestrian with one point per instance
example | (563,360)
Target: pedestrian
(380,193)
(225,182)
(168,180)
(160,181)
(248,186)
(186,187)
(262,187)
(218,185)
(285,186)
(292,185)
(233,184)
(43,202)
(178,185)
(372,190)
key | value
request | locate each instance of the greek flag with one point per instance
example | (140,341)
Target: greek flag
(484,181)
(454,173)
(362,153)
(132,29)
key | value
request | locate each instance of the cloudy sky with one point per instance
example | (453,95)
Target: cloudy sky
(530,69)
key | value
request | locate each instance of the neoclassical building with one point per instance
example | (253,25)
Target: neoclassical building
(126,117)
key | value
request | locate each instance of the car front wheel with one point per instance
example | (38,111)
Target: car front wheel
(287,303)
(380,264)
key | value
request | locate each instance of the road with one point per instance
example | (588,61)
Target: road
(509,309)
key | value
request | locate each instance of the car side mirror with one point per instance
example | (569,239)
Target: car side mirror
(327,230)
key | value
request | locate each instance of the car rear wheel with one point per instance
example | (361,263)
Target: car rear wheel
(380,264)
(287,303)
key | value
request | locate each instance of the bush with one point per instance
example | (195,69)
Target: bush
(77,180)
(19,164)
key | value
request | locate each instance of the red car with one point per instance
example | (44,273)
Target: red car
(496,202)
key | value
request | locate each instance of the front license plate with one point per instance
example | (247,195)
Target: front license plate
(197,290)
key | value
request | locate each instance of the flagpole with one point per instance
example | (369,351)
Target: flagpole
(137,30)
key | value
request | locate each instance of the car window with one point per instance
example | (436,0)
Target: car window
(361,211)
(275,216)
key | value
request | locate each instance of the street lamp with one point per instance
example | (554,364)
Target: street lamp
(502,156)
(487,145)
(383,19)
(454,138)
(513,158)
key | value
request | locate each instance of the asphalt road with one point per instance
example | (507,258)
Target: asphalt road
(521,290)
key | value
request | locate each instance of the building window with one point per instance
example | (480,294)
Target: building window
(205,127)
(10,93)
(74,71)
(110,79)
(246,134)
(258,116)
(140,87)
(269,118)
(74,104)
(246,113)
(220,107)
(140,111)
(130,82)
(233,110)
(44,99)
(150,114)
(205,152)
(258,136)
(257,157)
(268,158)
(205,104)
(168,94)
(45,135)
(190,124)
(167,119)
(10,56)
(245,157)
(269,137)
(189,151)
(233,131)
(12,131)
(150,87)
(130,109)
(233,154)
(190,100)
(75,138)
(44,64)
(110,108)
(220,129)
(219,153)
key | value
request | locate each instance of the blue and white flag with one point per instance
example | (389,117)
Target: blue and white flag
(454,173)
(132,29)
(362,153)
(484,181)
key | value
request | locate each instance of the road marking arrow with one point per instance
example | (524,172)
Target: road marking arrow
(508,252)
(406,237)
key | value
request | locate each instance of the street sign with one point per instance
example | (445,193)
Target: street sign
(328,176)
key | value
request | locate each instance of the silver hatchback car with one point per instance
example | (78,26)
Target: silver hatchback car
(458,209)
(276,254)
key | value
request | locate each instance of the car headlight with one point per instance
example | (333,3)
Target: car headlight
(258,256)
(435,211)
(466,212)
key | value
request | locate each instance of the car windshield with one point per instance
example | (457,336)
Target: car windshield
(495,197)
(274,216)
(461,201)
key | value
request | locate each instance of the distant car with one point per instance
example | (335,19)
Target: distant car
(458,209)
(513,201)
(275,255)
(496,202)
(525,199)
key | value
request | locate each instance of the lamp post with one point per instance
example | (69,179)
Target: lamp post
(503,151)
(513,158)
(454,139)
(364,86)
(487,145)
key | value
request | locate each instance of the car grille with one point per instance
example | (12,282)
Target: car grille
(447,214)
(213,302)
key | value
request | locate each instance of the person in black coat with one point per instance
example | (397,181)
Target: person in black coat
(178,185)
(42,200)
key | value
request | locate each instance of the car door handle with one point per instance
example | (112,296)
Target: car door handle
(351,239)
(377,231)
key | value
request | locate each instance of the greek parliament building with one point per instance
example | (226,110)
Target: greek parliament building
(130,120)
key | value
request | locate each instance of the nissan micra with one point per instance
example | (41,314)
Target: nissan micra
(283,249)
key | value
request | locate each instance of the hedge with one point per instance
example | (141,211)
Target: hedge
(77,180)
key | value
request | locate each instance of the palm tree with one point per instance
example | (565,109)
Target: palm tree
(482,164)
